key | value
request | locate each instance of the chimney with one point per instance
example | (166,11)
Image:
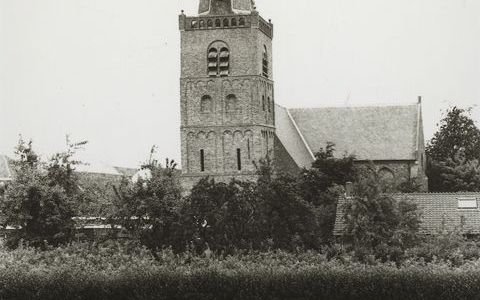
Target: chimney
(349,189)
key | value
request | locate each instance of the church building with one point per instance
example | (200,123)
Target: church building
(230,120)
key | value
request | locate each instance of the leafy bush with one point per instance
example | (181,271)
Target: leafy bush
(149,208)
(83,271)
(40,200)
(378,225)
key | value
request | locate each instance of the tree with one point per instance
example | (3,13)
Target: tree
(377,223)
(323,183)
(149,207)
(457,132)
(453,153)
(455,175)
(287,221)
(222,216)
(39,202)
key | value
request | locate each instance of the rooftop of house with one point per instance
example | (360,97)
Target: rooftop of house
(374,133)
(439,211)
(97,168)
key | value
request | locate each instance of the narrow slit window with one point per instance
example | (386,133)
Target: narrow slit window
(234,22)
(239,159)
(263,103)
(202,160)
(226,23)
(248,149)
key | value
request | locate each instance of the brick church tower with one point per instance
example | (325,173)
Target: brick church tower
(226,91)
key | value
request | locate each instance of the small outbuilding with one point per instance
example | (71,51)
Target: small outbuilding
(439,211)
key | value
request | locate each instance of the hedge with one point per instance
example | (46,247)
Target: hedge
(83,272)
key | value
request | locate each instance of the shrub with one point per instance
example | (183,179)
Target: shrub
(149,208)
(116,271)
(39,202)
(378,225)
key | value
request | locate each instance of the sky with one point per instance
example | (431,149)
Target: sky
(107,71)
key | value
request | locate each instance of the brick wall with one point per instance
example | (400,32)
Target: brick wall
(223,115)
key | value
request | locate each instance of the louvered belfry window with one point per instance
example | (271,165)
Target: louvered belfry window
(212,62)
(218,60)
(265,62)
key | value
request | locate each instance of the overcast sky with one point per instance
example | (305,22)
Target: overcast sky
(107,71)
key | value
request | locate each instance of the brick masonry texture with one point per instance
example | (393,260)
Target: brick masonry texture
(221,115)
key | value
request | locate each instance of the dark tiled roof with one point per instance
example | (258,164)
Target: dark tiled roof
(439,211)
(369,133)
(5,173)
(290,137)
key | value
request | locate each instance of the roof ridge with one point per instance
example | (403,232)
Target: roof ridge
(351,106)
(438,193)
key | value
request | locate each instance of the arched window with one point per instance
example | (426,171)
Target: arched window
(386,177)
(231,103)
(265,62)
(225,23)
(209,23)
(212,62)
(206,104)
(218,23)
(241,22)
(201,23)
(218,61)
(194,24)
(234,22)
(269,107)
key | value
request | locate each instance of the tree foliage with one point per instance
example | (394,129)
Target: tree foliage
(377,223)
(454,154)
(323,183)
(149,207)
(40,201)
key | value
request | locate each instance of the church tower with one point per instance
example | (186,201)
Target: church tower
(226,91)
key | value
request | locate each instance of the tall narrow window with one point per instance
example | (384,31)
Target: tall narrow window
(269,105)
(248,149)
(206,104)
(202,160)
(209,23)
(212,62)
(265,62)
(239,159)
(224,61)
(241,22)
(218,59)
(231,104)
(263,103)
